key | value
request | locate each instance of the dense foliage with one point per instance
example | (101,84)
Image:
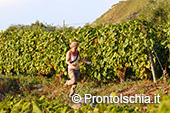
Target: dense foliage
(34,105)
(114,49)
(34,26)
(157,11)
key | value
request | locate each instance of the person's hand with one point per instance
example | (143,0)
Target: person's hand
(89,63)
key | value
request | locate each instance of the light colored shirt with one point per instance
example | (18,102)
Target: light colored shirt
(76,67)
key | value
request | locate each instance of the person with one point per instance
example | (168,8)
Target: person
(73,68)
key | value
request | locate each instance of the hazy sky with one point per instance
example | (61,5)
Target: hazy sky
(74,12)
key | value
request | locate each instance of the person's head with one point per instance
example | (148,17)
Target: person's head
(74,46)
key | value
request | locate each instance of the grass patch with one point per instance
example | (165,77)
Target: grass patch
(53,90)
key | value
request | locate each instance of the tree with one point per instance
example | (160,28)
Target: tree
(157,11)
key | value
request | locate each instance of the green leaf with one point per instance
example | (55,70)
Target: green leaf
(113,94)
(36,108)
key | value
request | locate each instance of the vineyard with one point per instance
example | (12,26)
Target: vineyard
(114,49)
(117,52)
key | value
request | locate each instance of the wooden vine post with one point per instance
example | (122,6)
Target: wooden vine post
(152,66)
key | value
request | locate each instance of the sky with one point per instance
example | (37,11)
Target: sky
(74,12)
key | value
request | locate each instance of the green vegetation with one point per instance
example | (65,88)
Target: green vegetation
(114,49)
(34,26)
(156,11)
(32,61)
(32,66)
(42,94)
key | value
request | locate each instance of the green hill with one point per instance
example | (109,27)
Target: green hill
(130,9)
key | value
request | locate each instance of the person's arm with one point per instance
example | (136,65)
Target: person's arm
(84,61)
(68,59)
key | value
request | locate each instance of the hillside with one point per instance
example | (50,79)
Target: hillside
(123,10)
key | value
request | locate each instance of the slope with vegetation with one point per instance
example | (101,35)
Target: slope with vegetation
(156,11)
(119,12)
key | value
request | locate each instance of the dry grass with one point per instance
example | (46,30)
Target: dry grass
(53,88)
(121,11)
